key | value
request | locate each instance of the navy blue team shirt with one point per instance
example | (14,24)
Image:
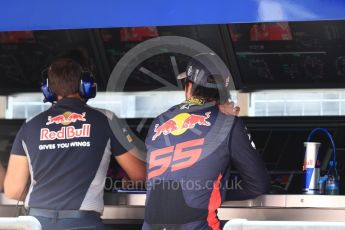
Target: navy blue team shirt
(190,148)
(68,148)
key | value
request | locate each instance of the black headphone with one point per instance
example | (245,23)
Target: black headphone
(87,86)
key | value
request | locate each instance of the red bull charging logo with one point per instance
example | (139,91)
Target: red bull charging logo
(66,118)
(180,124)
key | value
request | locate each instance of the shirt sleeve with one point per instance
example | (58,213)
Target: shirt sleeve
(121,140)
(249,164)
(17,147)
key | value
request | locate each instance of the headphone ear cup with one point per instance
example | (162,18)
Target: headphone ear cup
(48,94)
(87,87)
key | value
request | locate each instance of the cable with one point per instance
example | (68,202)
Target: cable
(329,135)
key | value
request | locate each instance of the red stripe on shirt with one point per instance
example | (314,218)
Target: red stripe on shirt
(214,204)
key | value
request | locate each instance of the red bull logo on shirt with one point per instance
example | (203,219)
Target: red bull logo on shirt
(180,124)
(68,132)
(66,118)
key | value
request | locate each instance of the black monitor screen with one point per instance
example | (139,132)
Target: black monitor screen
(24,54)
(289,54)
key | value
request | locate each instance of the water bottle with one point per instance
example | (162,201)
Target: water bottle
(332,183)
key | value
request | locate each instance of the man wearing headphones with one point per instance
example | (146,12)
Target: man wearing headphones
(66,151)
(190,148)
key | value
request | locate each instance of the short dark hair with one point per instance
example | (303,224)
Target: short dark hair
(64,77)
(79,55)
(209,94)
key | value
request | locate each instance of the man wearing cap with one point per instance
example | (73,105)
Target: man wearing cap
(190,148)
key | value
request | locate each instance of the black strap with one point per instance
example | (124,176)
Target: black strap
(61,214)
(165,226)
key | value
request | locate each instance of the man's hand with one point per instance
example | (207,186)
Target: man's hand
(133,166)
(228,108)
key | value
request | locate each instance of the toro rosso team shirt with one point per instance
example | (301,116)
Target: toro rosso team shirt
(68,148)
(190,148)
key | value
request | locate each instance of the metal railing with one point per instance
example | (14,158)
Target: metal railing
(20,223)
(243,224)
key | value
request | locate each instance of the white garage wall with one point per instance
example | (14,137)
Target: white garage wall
(330,102)
(150,104)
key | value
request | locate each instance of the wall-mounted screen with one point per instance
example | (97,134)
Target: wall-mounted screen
(24,54)
(289,54)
